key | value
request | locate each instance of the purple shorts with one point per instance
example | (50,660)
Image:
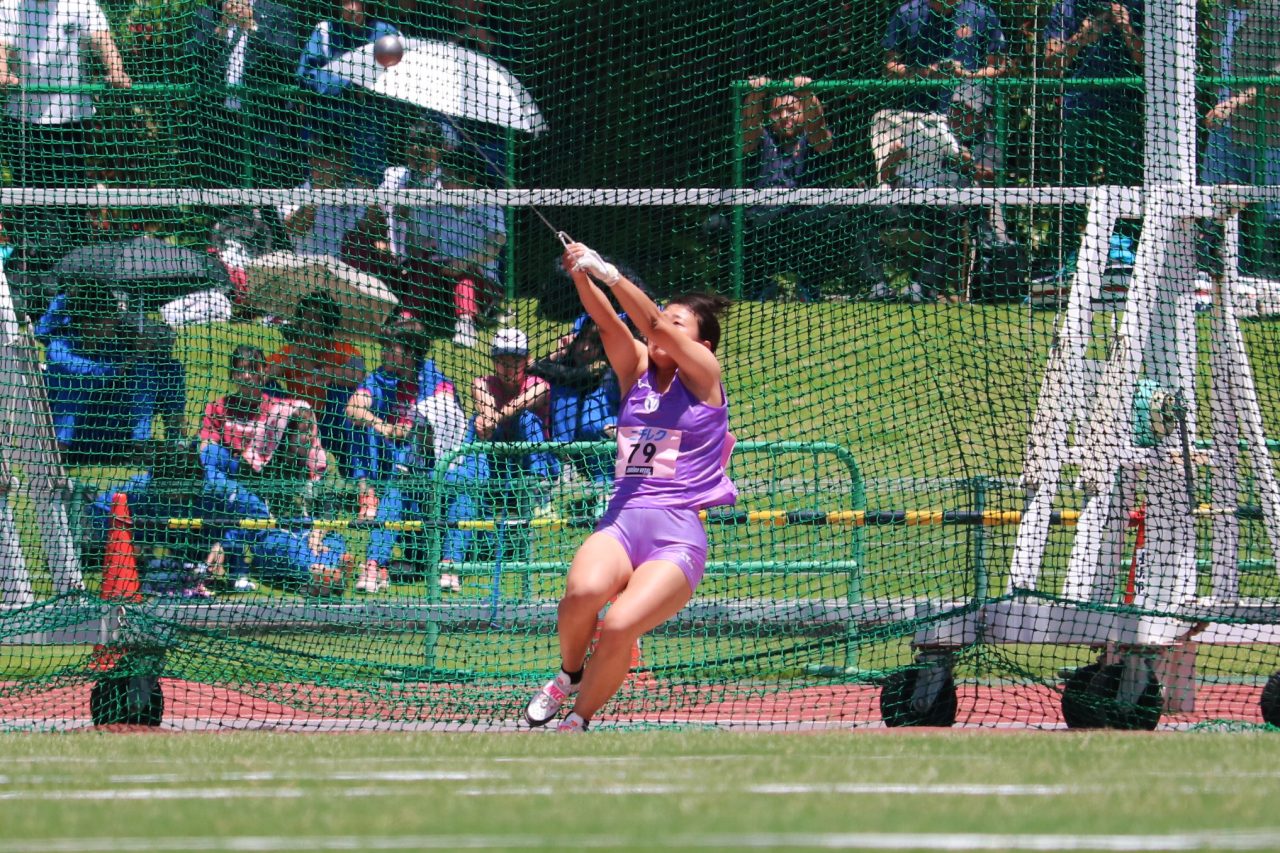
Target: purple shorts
(676,535)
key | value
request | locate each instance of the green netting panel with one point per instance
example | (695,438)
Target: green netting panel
(303,430)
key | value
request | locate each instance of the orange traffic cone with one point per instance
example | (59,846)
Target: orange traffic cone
(119,577)
(120,563)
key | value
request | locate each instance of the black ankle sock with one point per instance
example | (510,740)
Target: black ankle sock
(574,677)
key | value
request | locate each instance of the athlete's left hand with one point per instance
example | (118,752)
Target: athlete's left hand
(581,258)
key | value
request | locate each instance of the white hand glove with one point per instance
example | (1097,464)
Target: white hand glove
(597,267)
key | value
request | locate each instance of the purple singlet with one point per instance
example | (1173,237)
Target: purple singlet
(672,450)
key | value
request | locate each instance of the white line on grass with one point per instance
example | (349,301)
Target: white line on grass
(560,788)
(784,790)
(594,790)
(931,789)
(1224,840)
(319,776)
(102,794)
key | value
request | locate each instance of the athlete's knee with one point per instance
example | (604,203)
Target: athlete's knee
(581,598)
(619,626)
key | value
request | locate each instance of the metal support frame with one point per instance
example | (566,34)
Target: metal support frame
(32,452)
(1086,417)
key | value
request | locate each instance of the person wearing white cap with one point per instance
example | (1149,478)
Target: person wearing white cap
(510,406)
(504,394)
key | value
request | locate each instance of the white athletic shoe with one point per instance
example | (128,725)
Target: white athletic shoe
(572,725)
(243,584)
(546,703)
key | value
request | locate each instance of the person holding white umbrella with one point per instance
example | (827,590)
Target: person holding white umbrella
(337,110)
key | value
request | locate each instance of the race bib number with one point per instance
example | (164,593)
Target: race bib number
(647,452)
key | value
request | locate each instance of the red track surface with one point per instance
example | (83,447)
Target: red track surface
(192,705)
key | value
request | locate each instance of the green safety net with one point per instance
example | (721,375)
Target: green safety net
(304,428)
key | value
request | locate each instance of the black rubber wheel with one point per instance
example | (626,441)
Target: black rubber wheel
(1080,708)
(131,700)
(1142,715)
(895,702)
(1270,701)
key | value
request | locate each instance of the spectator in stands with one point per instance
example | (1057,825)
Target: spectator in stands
(389,246)
(1251,115)
(45,136)
(473,25)
(252,443)
(169,557)
(786,146)
(318,368)
(960,44)
(1222,160)
(109,372)
(509,406)
(394,441)
(311,562)
(338,108)
(969,119)
(924,150)
(945,40)
(424,146)
(465,243)
(246,54)
(160,384)
(1101,128)
(325,229)
(504,395)
(584,397)
(434,428)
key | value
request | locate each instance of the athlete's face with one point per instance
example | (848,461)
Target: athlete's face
(685,322)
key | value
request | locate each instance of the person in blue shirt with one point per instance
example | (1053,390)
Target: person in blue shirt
(785,133)
(388,459)
(950,41)
(109,373)
(1250,118)
(1101,128)
(584,398)
(337,109)
(1223,160)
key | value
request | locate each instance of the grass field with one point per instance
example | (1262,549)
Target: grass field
(646,790)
